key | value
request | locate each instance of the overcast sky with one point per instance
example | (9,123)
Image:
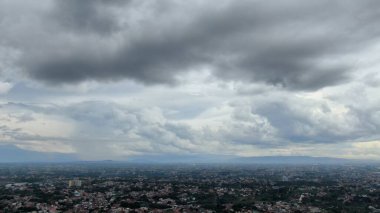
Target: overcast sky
(110,79)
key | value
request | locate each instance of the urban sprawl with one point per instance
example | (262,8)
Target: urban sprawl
(121,187)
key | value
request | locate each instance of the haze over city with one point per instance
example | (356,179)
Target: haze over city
(118,80)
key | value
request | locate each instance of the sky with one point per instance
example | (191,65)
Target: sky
(114,79)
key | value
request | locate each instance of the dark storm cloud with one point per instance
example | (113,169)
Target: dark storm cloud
(293,44)
(87,15)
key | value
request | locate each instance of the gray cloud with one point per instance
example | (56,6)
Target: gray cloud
(271,122)
(85,16)
(317,121)
(273,76)
(292,44)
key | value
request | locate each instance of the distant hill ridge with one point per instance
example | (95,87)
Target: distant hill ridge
(241,160)
(10,153)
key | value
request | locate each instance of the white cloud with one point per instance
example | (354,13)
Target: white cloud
(5,87)
(36,130)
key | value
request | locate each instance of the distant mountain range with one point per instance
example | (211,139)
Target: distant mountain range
(162,159)
(9,153)
(13,154)
(294,160)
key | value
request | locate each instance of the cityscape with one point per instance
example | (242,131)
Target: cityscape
(124,187)
(175,106)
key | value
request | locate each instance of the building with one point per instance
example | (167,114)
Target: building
(75,183)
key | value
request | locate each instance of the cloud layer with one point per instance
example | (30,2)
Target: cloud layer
(293,44)
(119,78)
